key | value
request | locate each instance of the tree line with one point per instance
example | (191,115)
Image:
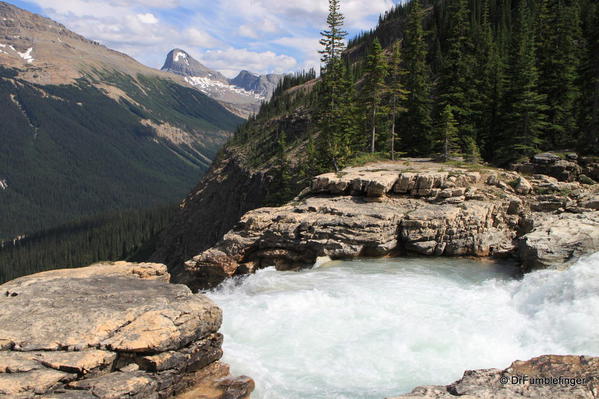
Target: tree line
(117,236)
(491,80)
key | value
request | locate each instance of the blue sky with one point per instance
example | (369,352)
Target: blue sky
(228,35)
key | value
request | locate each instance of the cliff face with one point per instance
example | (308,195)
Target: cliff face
(239,181)
(110,331)
(410,206)
(228,191)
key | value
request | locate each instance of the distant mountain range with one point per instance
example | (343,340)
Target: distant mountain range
(242,94)
(86,130)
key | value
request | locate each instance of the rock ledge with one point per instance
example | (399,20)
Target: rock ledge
(579,380)
(109,331)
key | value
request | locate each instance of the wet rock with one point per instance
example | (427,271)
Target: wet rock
(558,240)
(504,384)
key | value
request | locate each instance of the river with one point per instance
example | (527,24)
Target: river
(377,328)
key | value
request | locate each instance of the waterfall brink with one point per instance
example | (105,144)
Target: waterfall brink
(376,328)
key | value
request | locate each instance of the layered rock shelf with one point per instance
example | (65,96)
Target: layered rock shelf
(555,377)
(111,331)
(412,206)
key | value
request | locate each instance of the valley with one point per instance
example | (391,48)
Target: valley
(419,219)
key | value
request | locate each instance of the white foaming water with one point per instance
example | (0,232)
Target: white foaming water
(377,328)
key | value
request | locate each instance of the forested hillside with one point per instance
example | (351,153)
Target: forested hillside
(469,81)
(493,81)
(115,236)
(70,151)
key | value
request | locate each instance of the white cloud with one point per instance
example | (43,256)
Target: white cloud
(228,35)
(147,18)
(231,60)
(198,38)
(259,29)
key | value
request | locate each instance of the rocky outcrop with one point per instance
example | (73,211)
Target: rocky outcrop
(559,239)
(409,207)
(564,167)
(555,377)
(110,331)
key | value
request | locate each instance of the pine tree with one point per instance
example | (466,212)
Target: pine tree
(523,118)
(416,121)
(398,94)
(281,188)
(333,38)
(490,83)
(374,89)
(332,140)
(558,40)
(457,79)
(588,141)
(448,139)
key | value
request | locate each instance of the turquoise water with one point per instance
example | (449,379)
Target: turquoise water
(377,328)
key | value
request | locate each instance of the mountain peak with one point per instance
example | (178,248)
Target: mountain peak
(182,63)
(262,84)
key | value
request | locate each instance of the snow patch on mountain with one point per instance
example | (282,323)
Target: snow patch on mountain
(27,55)
(209,86)
(181,55)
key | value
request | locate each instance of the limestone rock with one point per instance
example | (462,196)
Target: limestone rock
(591,202)
(523,186)
(106,331)
(391,208)
(294,236)
(558,240)
(546,158)
(504,384)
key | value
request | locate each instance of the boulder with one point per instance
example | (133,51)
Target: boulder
(557,240)
(590,202)
(543,381)
(110,330)
(546,158)
(523,186)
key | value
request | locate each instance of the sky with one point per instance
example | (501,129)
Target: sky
(263,36)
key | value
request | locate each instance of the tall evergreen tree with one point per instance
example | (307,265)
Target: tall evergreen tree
(398,94)
(334,142)
(588,141)
(457,88)
(374,89)
(558,39)
(447,136)
(490,84)
(333,37)
(523,117)
(416,121)
(281,190)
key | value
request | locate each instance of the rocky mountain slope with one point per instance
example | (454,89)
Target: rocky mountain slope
(87,130)
(242,95)
(263,85)
(121,330)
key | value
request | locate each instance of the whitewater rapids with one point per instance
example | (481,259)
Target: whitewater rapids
(377,328)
